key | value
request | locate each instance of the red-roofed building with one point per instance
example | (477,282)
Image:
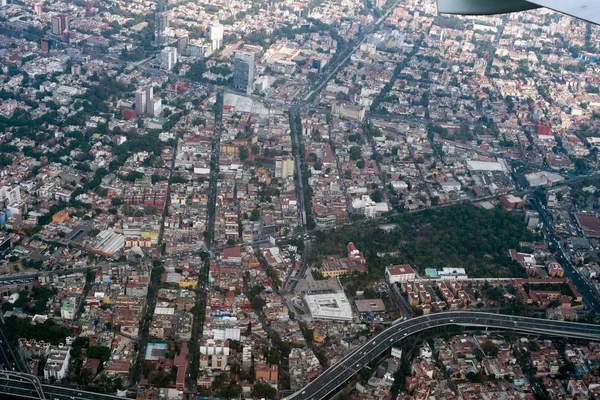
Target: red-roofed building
(232,254)
(399,273)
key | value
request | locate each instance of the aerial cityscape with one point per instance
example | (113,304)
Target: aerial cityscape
(318,199)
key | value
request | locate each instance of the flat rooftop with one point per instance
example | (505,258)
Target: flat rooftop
(589,223)
(373,305)
(329,306)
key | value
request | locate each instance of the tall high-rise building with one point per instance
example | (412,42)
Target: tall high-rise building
(140,102)
(149,99)
(182,42)
(60,24)
(243,72)
(216,36)
(161,25)
(3,3)
(168,58)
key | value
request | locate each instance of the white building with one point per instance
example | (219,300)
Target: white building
(450,186)
(214,347)
(57,362)
(216,36)
(225,333)
(154,107)
(140,102)
(168,58)
(12,194)
(330,306)
(343,110)
(366,205)
(370,206)
(284,167)
(399,273)
(454,273)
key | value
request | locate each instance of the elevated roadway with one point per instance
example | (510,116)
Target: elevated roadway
(338,374)
(20,385)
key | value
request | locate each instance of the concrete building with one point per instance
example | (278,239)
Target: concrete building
(284,167)
(225,333)
(342,110)
(140,102)
(67,309)
(182,43)
(267,372)
(10,194)
(168,58)
(243,73)
(198,49)
(161,25)
(154,107)
(329,306)
(57,362)
(216,36)
(399,273)
(60,24)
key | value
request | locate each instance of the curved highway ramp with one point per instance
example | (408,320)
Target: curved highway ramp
(338,374)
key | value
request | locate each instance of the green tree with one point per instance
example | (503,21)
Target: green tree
(243,152)
(264,390)
(100,352)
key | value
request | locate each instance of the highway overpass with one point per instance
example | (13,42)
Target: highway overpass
(336,375)
(25,386)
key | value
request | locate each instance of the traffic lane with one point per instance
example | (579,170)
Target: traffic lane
(76,394)
(18,388)
(7,358)
(21,392)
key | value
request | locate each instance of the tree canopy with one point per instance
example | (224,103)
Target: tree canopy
(461,236)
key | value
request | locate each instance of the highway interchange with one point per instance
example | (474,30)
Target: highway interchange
(341,372)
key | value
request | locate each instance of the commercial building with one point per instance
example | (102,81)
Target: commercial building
(140,102)
(161,22)
(329,306)
(343,110)
(182,43)
(154,107)
(543,178)
(243,74)
(196,48)
(60,24)
(108,243)
(284,167)
(216,36)
(399,273)
(168,58)
(512,202)
(370,305)
(589,224)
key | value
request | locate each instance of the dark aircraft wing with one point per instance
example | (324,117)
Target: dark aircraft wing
(587,10)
